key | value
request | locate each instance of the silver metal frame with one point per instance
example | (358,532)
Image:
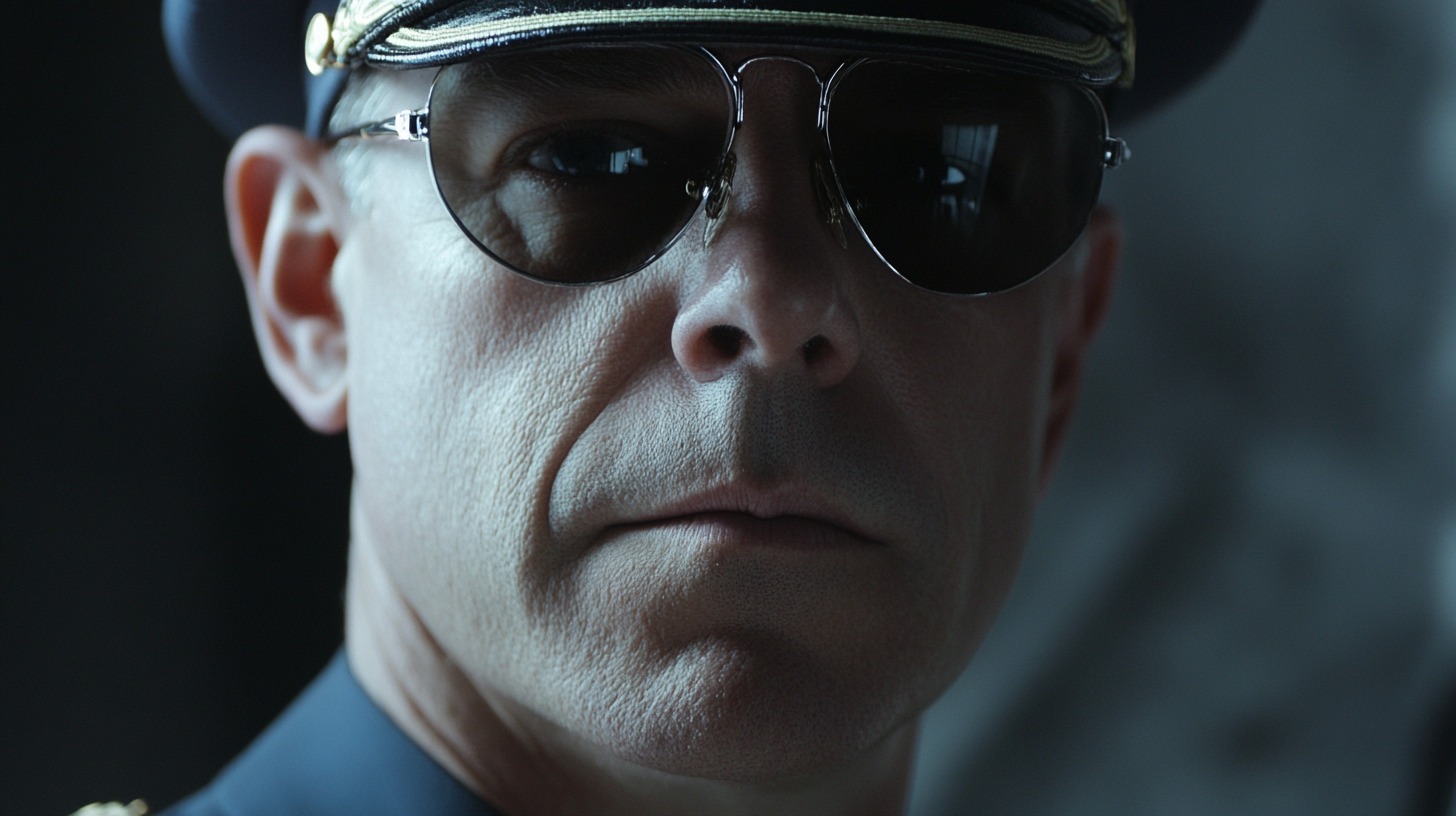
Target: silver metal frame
(714,193)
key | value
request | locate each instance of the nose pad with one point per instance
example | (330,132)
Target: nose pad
(720,198)
(831,204)
(719,194)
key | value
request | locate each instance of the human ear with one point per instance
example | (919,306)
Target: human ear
(1081,309)
(285,215)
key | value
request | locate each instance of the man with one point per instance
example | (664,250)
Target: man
(701,365)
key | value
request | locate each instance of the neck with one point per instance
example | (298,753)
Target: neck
(525,765)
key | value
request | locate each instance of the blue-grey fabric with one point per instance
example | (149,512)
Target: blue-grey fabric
(333,752)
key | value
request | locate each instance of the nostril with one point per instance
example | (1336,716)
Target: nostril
(727,340)
(815,348)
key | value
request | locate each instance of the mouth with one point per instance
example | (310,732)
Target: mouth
(736,517)
(730,528)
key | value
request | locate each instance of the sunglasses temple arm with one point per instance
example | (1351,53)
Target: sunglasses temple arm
(407,125)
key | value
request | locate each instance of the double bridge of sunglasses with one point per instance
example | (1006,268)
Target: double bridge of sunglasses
(585,164)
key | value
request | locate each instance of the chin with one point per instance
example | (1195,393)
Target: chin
(742,707)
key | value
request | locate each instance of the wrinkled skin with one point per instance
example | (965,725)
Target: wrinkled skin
(600,537)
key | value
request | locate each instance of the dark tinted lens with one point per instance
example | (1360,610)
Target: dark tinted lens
(964,182)
(572,165)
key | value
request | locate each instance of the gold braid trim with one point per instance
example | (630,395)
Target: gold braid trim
(1093,52)
(330,41)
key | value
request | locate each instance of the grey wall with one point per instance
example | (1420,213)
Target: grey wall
(1240,596)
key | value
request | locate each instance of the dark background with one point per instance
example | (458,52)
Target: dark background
(1241,597)
(173,538)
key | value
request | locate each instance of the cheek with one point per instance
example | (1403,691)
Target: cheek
(971,387)
(465,382)
(972,383)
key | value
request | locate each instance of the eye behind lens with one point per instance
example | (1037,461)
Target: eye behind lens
(588,154)
(965,182)
(569,164)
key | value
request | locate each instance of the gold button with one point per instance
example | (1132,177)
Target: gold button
(318,44)
(136,808)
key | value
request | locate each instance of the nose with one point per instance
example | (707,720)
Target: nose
(775,294)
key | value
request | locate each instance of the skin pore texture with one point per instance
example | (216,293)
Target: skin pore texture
(610,556)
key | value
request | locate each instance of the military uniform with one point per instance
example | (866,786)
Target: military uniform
(333,751)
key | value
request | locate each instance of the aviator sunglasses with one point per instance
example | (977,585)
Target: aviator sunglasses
(584,164)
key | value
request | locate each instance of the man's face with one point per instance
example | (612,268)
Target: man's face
(739,513)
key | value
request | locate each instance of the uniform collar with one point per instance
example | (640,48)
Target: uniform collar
(334,751)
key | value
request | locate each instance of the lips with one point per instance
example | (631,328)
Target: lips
(788,517)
